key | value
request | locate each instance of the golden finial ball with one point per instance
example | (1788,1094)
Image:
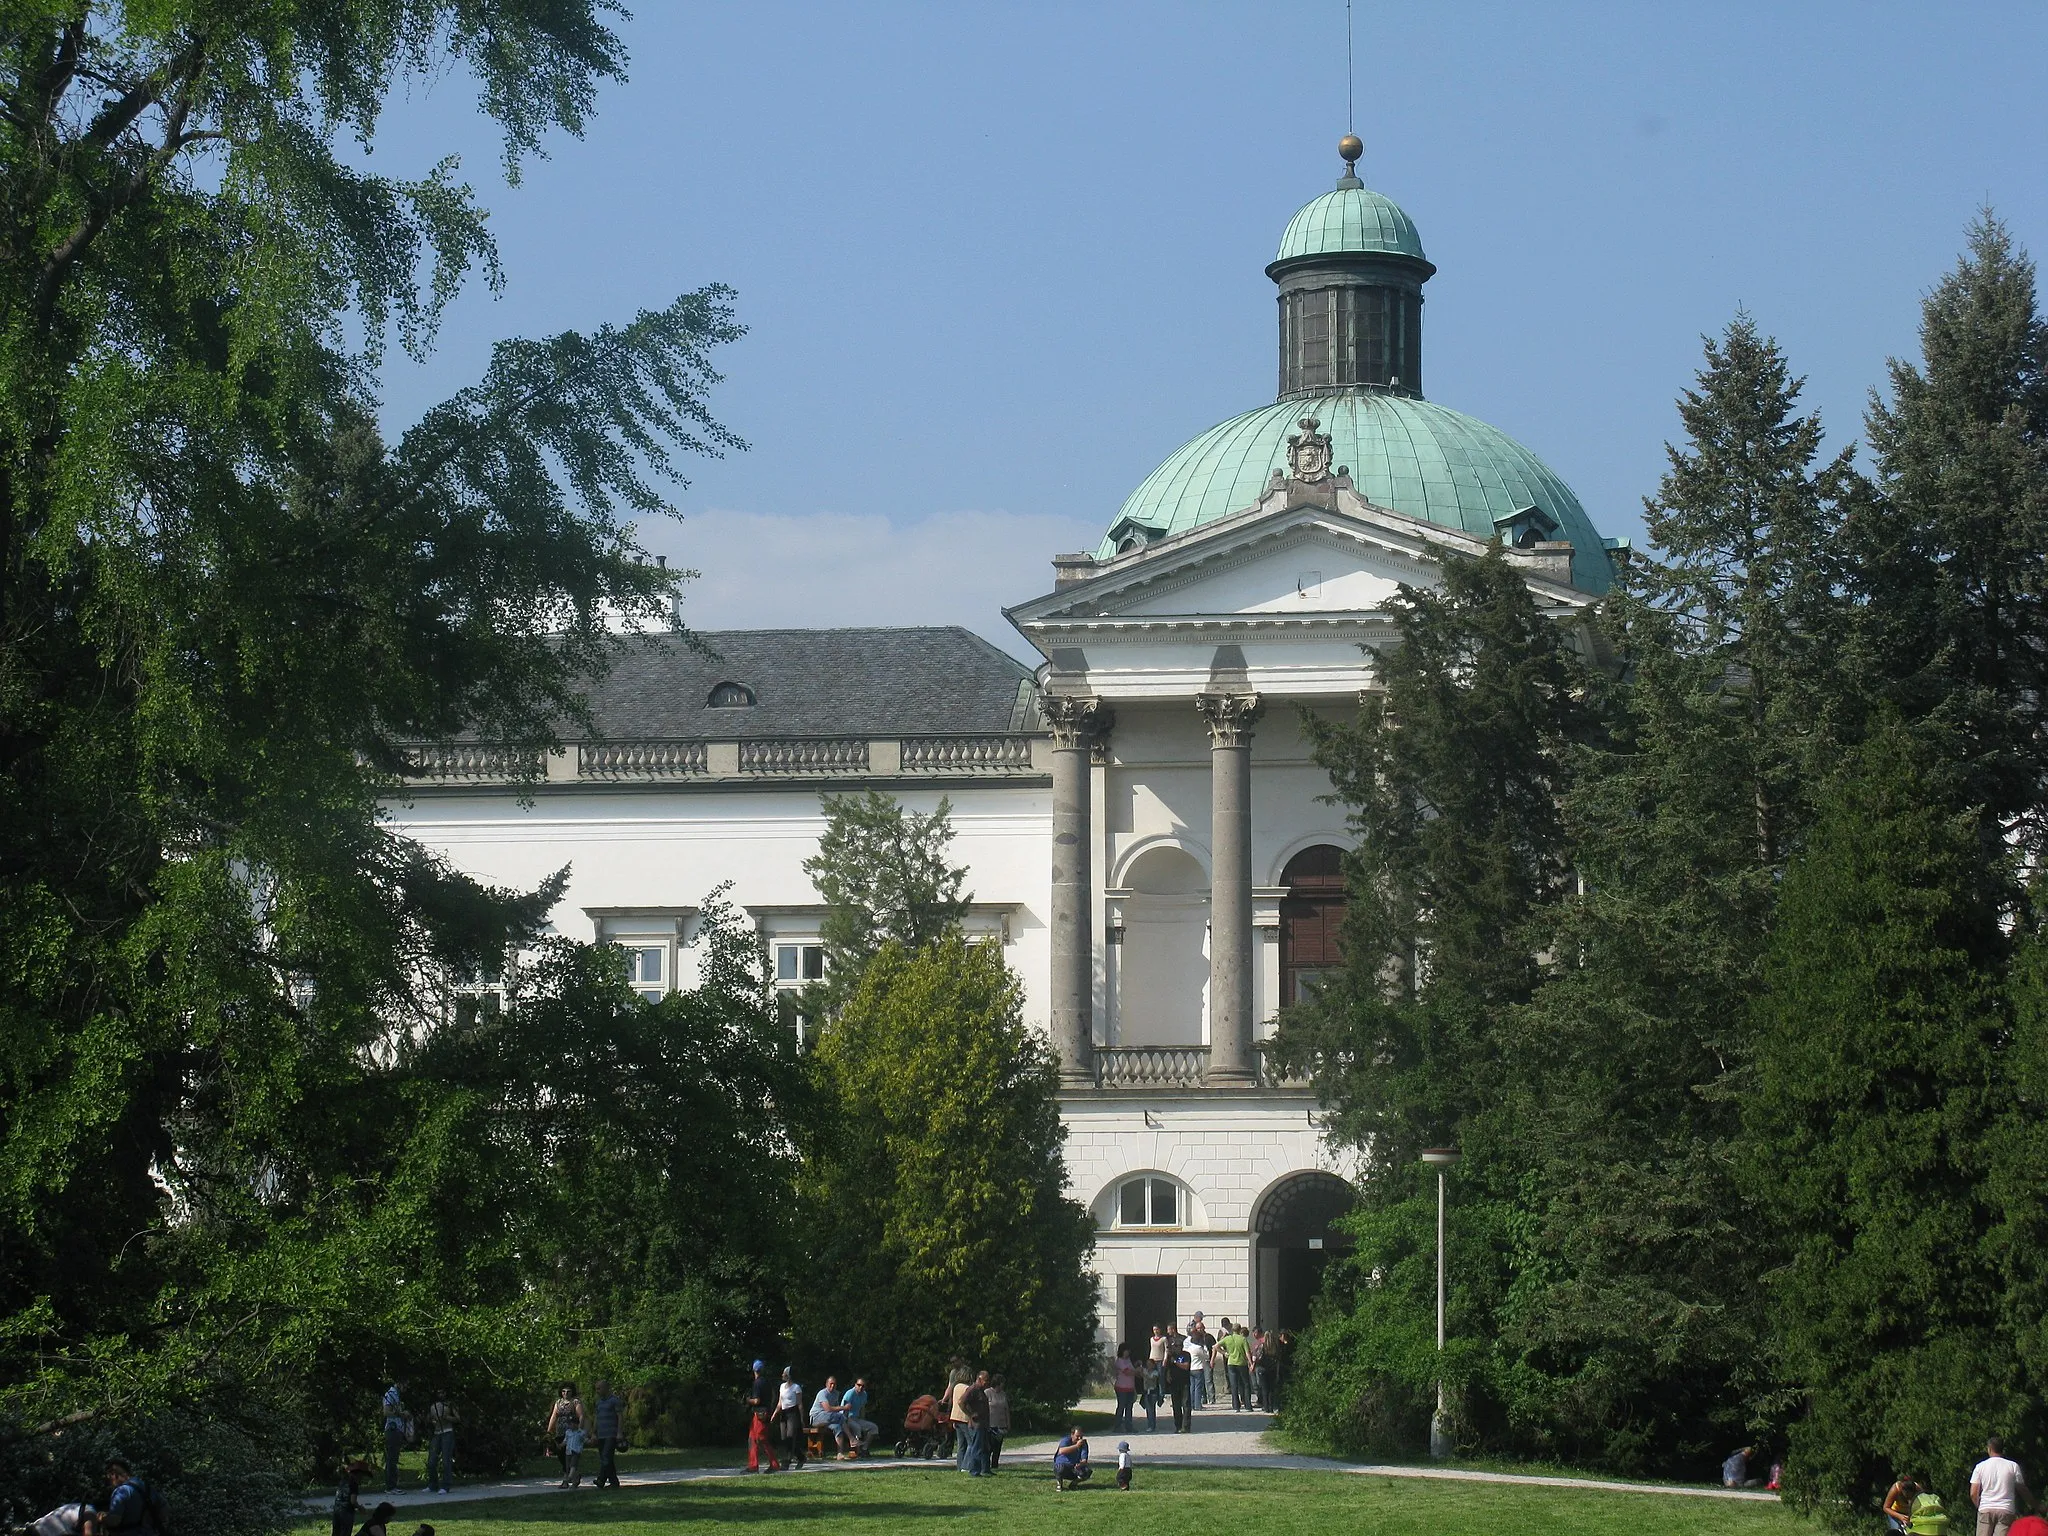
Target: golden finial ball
(1351,146)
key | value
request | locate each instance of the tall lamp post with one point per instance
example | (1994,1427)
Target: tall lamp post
(1441,1159)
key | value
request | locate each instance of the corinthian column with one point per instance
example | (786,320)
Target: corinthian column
(1230,717)
(1076,725)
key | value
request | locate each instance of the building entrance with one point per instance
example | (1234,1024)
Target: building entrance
(1147,1299)
(1296,1238)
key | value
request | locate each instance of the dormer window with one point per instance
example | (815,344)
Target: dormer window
(730,696)
(1526,527)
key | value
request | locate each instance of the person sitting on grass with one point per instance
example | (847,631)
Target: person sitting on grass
(379,1523)
(1070,1460)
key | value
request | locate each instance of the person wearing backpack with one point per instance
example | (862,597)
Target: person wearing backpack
(134,1506)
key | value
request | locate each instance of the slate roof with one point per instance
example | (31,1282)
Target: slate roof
(816,682)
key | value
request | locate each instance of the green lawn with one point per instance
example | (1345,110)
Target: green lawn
(412,1466)
(1022,1501)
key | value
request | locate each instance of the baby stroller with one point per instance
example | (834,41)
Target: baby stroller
(924,1430)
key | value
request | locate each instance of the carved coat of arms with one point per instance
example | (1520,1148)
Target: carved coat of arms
(1308,452)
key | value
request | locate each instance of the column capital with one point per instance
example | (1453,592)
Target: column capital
(1075,720)
(1231,716)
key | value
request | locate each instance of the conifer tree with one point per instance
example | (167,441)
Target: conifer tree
(1950,564)
(1879,1033)
(1628,1062)
(1453,775)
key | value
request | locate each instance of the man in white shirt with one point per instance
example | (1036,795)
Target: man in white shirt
(1996,1487)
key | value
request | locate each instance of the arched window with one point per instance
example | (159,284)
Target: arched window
(1311,917)
(1150,1202)
(730,696)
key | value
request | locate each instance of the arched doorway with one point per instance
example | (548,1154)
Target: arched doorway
(1163,971)
(1311,917)
(1296,1234)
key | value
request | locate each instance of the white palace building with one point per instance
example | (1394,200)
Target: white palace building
(1141,817)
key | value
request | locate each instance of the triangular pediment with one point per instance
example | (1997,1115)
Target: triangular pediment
(1303,569)
(1303,553)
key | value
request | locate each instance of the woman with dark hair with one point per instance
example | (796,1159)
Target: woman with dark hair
(379,1523)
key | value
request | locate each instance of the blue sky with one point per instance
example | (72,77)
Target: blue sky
(999,261)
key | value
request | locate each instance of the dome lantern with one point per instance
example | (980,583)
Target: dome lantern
(1350,272)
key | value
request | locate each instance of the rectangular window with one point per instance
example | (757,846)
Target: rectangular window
(796,963)
(1163,1202)
(1133,1198)
(647,970)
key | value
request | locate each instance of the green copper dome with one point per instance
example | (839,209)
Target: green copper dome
(1349,220)
(1409,455)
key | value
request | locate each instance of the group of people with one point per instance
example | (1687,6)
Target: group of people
(1997,1488)
(775,1410)
(978,1407)
(348,1504)
(134,1508)
(570,1428)
(400,1430)
(1187,1371)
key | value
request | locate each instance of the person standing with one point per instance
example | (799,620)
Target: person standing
(441,1446)
(1237,1361)
(1176,1370)
(1154,1381)
(1256,1347)
(974,1398)
(1996,1487)
(789,1408)
(396,1422)
(998,1423)
(1198,1369)
(1123,1379)
(760,1410)
(1281,1348)
(565,1416)
(345,1501)
(1155,1349)
(607,1415)
(957,1415)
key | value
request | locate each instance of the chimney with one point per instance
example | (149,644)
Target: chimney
(1067,570)
(1554,560)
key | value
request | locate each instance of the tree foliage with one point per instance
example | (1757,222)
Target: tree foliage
(884,874)
(1879,1030)
(933,1187)
(1752,1151)
(228,1143)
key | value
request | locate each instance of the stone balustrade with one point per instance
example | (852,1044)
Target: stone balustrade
(770,759)
(966,754)
(1151,1066)
(470,762)
(1175,1066)
(804,755)
(640,759)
